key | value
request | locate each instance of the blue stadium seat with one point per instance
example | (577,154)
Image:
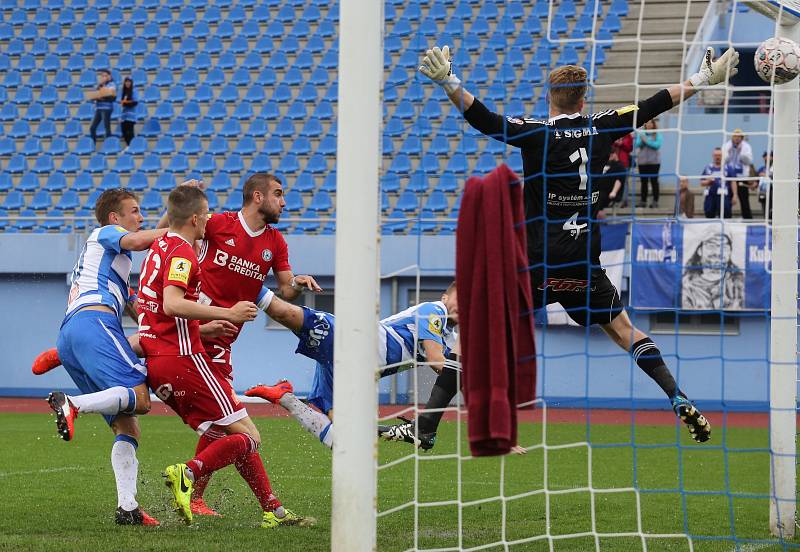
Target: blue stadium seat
(243,111)
(6,182)
(217,111)
(69,201)
(218,146)
(165,182)
(294,201)
(18,164)
(63,79)
(14,201)
(233,202)
(206,164)
(84,182)
(618,8)
(110,181)
(273,146)
(329,182)
(138,182)
(138,146)
(43,164)
(309,226)
(418,183)
(192,146)
(204,129)
(111,146)
(321,202)
(165,145)
(261,163)
(7,146)
(24,95)
(31,147)
(58,144)
(97,164)
(301,146)
(288,164)
(151,163)
(29,223)
(178,163)
(612,23)
(317,164)
(408,202)
(221,182)
(152,202)
(71,164)
(258,128)
(28,183)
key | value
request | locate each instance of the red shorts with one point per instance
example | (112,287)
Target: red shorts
(221,358)
(195,390)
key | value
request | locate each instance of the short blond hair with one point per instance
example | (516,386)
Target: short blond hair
(568,86)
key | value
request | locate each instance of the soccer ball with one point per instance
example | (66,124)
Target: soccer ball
(780,55)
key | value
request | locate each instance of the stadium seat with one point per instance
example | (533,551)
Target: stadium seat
(273,146)
(288,164)
(14,201)
(18,164)
(321,202)
(6,182)
(43,164)
(218,146)
(206,164)
(28,183)
(138,182)
(151,163)
(110,181)
(84,182)
(152,202)
(178,163)
(69,201)
(418,183)
(28,222)
(221,182)
(165,182)
(97,164)
(233,202)
(261,163)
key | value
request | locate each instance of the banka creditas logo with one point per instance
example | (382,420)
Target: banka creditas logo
(266,255)
(564,284)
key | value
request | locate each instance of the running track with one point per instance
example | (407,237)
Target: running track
(554,415)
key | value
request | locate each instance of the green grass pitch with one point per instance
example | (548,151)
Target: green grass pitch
(61,496)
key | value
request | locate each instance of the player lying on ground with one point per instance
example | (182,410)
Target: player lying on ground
(183,375)
(561,203)
(93,346)
(424,333)
(237,252)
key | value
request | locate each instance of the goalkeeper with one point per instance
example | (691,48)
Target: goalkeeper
(559,157)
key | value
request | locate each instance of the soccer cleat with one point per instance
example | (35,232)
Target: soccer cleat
(45,362)
(699,428)
(271,520)
(200,508)
(65,414)
(177,480)
(407,432)
(271,393)
(135,517)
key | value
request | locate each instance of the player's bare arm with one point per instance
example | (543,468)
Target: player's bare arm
(141,240)
(218,328)
(434,354)
(176,304)
(286,314)
(290,286)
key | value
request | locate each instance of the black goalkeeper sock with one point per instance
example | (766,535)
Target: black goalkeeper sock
(646,354)
(444,389)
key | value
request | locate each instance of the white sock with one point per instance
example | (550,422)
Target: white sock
(312,420)
(116,400)
(126,468)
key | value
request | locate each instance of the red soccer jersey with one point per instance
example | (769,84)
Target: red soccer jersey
(171,261)
(235,262)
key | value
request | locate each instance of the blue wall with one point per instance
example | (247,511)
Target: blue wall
(709,368)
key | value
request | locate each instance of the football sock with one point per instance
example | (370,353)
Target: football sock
(444,389)
(251,468)
(206,439)
(126,468)
(116,400)
(312,420)
(220,453)
(646,354)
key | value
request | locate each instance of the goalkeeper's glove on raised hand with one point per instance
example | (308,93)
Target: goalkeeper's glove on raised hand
(716,71)
(436,65)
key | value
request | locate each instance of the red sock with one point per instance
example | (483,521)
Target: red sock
(221,453)
(200,483)
(251,468)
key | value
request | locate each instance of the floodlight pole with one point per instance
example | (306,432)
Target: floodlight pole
(783,319)
(355,397)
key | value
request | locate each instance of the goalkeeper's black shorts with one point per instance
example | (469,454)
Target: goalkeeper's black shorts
(587,302)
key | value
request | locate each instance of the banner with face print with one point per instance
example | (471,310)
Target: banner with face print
(703,266)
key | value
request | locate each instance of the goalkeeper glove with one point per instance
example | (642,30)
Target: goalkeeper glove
(716,71)
(436,65)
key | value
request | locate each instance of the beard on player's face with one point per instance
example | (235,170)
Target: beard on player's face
(268,214)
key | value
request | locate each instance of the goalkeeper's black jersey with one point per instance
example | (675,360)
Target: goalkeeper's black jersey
(561,158)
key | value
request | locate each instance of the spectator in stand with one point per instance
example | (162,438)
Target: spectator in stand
(612,183)
(104,97)
(719,200)
(128,102)
(737,152)
(685,199)
(623,147)
(765,185)
(648,159)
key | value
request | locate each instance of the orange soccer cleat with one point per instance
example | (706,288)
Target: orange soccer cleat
(45,362)
(200,508)
(271,393)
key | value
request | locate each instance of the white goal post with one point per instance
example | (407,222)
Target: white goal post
(783,320)
(355,399)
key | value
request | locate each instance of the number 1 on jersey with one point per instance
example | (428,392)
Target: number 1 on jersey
(581,154)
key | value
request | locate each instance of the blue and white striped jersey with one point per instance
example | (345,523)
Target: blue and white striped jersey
(400,336)
(101,275)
